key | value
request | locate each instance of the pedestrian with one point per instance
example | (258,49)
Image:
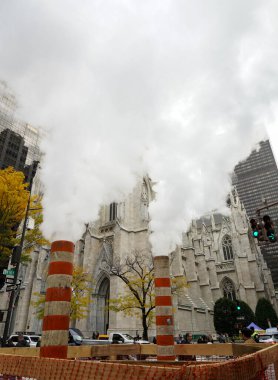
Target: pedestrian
(210,339)
(137,337)
(115,340)
(221,338)
(180,338)
(187,339)
(246,335)
(21,342)
(254,335)
(10,343)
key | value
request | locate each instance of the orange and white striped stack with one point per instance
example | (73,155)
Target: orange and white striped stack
(55,329)
(163,309)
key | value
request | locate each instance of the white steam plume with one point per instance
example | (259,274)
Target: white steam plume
(179,89)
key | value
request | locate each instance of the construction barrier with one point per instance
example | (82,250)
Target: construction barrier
(163,309)
(259,365)
(55,327)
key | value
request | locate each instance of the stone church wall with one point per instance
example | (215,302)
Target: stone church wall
(217,256)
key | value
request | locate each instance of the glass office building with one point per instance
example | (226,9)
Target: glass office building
(256,180)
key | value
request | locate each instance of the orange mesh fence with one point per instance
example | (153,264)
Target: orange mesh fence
(58,369)
(261,365)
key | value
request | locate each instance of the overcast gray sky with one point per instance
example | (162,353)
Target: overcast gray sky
(181,90)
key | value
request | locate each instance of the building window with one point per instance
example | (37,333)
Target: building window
(144,202)
(227,248)
(229,289)
(113,212)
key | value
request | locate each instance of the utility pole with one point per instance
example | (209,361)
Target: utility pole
(16,287)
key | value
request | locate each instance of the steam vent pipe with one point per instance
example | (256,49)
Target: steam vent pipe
(163,309)
(55,328)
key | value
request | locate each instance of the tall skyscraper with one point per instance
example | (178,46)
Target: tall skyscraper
(19,141)
(256,180)
(19,146)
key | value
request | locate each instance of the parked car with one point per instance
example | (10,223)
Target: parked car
(31,340)
(118,337)
(268,338)
(75,337)
(103,337)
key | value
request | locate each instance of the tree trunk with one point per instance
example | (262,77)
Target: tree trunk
(144,324)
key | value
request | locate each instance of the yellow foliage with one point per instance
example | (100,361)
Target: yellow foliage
(139,295)
(81,294)
(138,298)
(178,284)
(34,237)
(13,201)
(38,303)
(80,298)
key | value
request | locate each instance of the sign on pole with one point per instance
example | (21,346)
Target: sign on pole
(10,288)
(9,272)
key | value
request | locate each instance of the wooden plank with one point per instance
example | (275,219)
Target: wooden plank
(261,345)
(148,349)
(73,351)
(22,351)
(79,352)
(240,349)
(223,349)
(115,349)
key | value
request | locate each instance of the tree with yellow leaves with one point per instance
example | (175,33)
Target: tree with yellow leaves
(34,236)
(81,294)
(13,201)
(80,298)
(138,299)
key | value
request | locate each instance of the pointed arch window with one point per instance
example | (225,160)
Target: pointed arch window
(229,289)
(227,248)
(144,193)
(113,212)
(144,202)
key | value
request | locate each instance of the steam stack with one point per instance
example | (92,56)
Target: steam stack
(163,309)
(55,329)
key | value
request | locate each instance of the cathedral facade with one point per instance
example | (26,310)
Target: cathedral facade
(218,257)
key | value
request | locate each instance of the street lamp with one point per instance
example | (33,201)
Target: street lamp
(17,262)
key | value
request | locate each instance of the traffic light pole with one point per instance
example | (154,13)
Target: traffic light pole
(265,207)
(267,231)
(16,272)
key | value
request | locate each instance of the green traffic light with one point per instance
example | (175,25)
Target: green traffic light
(272,237)
(256,233)
(238,307)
